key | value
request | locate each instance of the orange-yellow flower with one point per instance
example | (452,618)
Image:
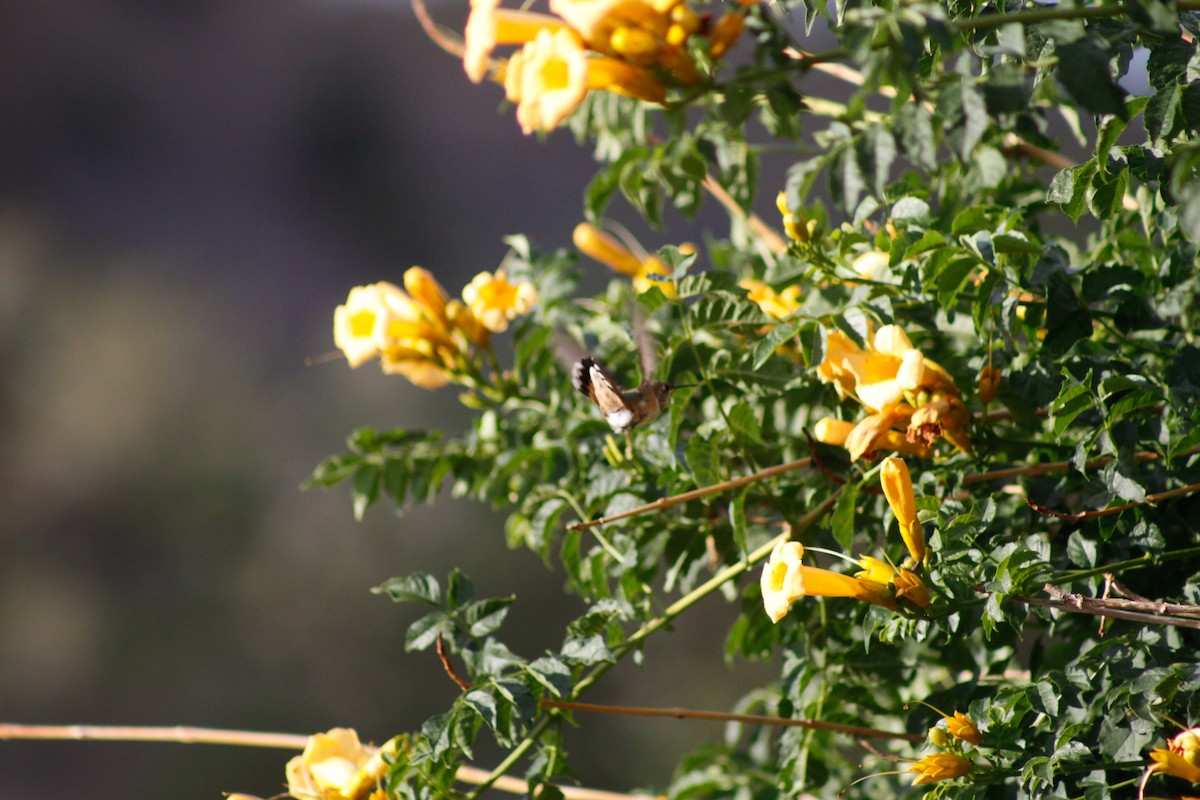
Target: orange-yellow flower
(778,305)
(645,270)
(838,348)
(633,30)
(875,432)
(891,367)
(908,585)
(549,77)
(336,766)
(897,488)
(495,302)
(785,580)
(882,577)
(832,431)
(961,727)
(989,382)
(939,767)
(1180,758)
(489,26)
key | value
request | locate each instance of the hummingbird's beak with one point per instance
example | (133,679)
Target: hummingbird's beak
(675,386)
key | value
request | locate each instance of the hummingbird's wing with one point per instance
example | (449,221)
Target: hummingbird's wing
(646,346)
(594,382)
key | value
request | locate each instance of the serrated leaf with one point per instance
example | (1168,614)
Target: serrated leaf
(366,489)
(1072,400)
(552,674)
(743,421)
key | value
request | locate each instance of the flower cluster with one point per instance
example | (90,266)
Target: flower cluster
(785,579)
(952,762)
(1180,758)
(422,334)
(630,47)
(336,766)
(911,401)
(645,269)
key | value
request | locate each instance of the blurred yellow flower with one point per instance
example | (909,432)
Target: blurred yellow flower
(495,302)
(635,31)
(832,369)
(357,323)
(902,583)
(778,305)
(939,767)
(868,263)
(724,32)
(420,334)
(549,77)
(489,26)
(896,481)
(336,766)
(646,270)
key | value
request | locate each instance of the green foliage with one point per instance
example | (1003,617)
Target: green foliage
(1077,283)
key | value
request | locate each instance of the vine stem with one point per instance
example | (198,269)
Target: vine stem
(725,716)
(650,627)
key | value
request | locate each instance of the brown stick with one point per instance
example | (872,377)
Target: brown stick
(1079,516)
(723,716)
(1077,604)
(774,242)
(181,734)
(435,32)
(668,502)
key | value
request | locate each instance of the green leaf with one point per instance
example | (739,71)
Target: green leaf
(1067,321)
(704,460)
(1043,696)
(1083,71)
(419,587)
(842,521)
(425,631)
(1073,399)
(484,617)
(366,489)
(743,421)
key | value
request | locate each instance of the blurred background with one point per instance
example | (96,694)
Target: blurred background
(187,190)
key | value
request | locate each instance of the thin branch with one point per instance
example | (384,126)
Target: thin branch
(1077,604)
(1079,516)
(724,716)
(774,242)
(668,502)
(436,33)
(181,734)
(1141,604)
(444,657)
(1048,468)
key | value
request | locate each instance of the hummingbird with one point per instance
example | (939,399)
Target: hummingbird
(623,409)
